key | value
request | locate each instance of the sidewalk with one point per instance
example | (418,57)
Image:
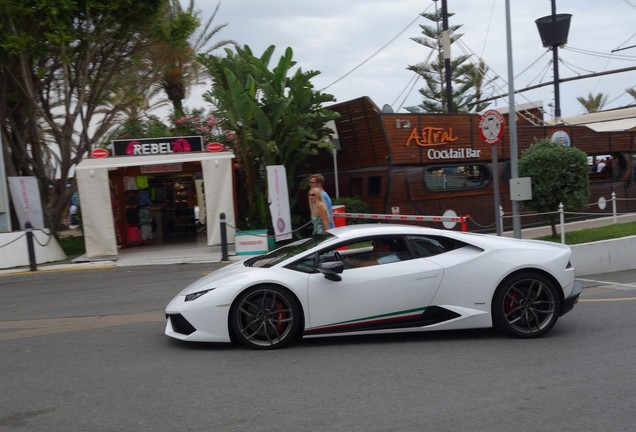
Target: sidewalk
(172,254)
(193,253)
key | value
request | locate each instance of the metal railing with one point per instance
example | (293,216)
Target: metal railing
(562,213)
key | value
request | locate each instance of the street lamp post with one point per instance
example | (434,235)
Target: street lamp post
(512,128)
(554,30)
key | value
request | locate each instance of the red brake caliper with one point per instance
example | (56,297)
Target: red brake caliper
(280,316)
(512,299)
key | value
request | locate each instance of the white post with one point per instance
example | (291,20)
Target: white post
(5,216)
(614,206)
(335,171)
(562,219)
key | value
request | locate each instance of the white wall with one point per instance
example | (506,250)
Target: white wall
(604,256)
(14,251)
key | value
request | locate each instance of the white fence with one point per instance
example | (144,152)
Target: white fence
(602,204)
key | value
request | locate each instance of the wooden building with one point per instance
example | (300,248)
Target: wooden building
(426,164)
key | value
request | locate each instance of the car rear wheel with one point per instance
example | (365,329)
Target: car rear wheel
(526,306)
(265,317)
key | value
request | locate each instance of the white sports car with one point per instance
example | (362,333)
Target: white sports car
(379,278)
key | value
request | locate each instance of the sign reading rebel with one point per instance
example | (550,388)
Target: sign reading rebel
(156,146)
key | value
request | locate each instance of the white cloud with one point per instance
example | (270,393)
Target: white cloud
(334,37)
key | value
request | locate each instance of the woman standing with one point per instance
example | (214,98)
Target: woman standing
(318,209)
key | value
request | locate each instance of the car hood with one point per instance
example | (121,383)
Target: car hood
(231,275)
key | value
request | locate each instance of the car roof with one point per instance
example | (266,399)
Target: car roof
(484,241)
(371,229)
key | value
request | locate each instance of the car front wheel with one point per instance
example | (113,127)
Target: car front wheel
(526,306)
(265,317)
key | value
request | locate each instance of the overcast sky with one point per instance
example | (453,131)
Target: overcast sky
(363,47)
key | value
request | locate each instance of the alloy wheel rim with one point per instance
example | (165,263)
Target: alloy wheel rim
(264,317)
(529,306)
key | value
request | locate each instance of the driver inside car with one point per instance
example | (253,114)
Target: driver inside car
(383,253)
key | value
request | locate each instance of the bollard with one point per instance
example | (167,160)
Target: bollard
(29,236)
(224,253)
(562,222)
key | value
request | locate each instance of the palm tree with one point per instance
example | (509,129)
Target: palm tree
(474,79)
(178,45)
(593,103)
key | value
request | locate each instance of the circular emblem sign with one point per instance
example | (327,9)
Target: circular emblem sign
(491,126)
(99,153)
(561,137)
(215,147)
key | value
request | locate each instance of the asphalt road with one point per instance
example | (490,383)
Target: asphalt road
(85,351)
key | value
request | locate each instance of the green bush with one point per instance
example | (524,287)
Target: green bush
(72,246)
(353,205)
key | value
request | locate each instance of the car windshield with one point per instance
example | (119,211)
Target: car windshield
(288,251)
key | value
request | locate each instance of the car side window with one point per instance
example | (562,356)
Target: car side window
(308,264)
(425,246)
(375,251)
(305,265)
(378,250)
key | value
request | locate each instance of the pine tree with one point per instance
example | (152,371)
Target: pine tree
(468,78)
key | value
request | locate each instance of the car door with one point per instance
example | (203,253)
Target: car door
(372,298)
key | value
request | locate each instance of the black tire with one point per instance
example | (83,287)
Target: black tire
(265,317)
(526,305)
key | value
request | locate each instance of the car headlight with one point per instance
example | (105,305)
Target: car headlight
(196,295)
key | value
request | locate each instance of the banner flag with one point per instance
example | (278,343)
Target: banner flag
(25,195)
(279,201)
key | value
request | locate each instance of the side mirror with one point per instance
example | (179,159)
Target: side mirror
(331,270)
